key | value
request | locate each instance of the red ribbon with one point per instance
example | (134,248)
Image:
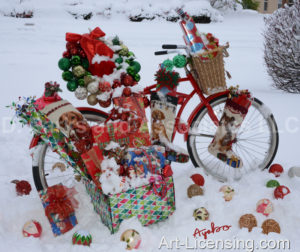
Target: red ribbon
(159,186)
(91,45)
(61,201)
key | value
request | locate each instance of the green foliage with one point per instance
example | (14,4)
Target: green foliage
(250,4)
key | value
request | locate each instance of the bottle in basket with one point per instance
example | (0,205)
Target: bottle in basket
(191,37)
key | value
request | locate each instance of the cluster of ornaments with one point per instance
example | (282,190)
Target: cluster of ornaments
(196,189)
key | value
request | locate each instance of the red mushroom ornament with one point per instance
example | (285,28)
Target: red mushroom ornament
(276,169)
(281,191)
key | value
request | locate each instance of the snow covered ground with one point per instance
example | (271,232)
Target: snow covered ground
(30,49)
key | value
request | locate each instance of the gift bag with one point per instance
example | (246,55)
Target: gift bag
(59,204)
(138,127)
(163,113)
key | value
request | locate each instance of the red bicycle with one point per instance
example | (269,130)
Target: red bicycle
(256,142)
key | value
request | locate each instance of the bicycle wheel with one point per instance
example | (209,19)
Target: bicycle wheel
(256,142)
(50,168)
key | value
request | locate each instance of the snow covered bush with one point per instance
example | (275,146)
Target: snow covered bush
(282,47)
(226,5)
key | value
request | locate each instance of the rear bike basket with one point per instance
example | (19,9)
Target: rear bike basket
(209,73)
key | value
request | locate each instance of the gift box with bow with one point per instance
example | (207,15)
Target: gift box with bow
(59,204)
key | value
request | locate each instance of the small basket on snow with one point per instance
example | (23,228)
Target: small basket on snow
(210,73)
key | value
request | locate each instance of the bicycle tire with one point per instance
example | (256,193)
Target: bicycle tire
(38,173)
(191,142)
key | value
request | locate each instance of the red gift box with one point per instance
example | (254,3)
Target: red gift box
(92,160)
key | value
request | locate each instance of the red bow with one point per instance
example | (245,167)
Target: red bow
(91,45)
(61,201)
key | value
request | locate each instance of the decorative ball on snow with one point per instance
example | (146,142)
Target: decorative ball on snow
(248,221)
(127,91)
(264,206)
(228,192)
(124,51)
(276,169)
(78,71)
(269,226)
(179,61)
(72,85)
(272,183)
(81,93)
(136,66)
(137,77)
(132,238)
(82,237)
(281,191)
(294,171)
(64,64)
(81,82)
(198,179)
(201,214)
(194,190)
(105,104)
(87,80)
(93,87)
(22,187)
(92,99)
(167,65)
(32,228)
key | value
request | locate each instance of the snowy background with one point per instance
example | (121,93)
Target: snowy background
(29,51)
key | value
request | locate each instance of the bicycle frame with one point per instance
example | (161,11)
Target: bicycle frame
(183,100)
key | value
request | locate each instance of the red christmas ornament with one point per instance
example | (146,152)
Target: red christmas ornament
(74,51)
(276,169)
(71,45)
(104,86)
(127,80)
(22,187)
(116,84)
(82,54)
(281,191)
(146,101)
(127,91)
(134,83)
(198,179)
(105,104)
(66,54)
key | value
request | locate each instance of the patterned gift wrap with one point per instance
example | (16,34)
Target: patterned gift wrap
(59,226)
(142,202)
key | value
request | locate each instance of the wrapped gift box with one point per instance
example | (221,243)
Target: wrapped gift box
(59,205)
(145,202)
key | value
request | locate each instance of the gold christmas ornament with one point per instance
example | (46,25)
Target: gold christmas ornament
(132,238)
(78,71)
(269,226)
(92,99)
(194,190)
(248,221)
(87,80)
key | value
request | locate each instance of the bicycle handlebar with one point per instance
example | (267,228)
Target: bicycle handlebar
(160,52)
(173,46)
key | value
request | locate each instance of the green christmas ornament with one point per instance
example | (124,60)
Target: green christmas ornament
(179,61)
(75,60)
(87,73)
(82,237)
(67,75)
(116,40)
(119,60)
(130,54)
(72,85)
(81,82)
(119,67)
(167,65)
(137,77)
(85,63)
(272,183)
(78,71)
(64,64)
(136,65)
(130,70)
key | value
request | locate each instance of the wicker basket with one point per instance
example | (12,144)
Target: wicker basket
(210,73)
